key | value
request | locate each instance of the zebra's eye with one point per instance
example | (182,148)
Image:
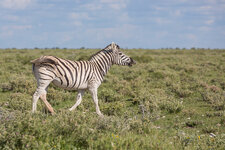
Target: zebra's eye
(120,53)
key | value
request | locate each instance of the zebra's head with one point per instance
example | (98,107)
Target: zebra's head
(119,57)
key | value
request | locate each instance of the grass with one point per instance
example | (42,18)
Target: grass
(172,99)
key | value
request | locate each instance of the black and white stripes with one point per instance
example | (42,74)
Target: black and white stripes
(76,75)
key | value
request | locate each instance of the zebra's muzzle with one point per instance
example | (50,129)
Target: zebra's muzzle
(132,62)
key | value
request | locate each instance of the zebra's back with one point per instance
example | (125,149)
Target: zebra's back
(64,73)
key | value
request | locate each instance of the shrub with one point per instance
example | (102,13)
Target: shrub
(172,105)
(216,99)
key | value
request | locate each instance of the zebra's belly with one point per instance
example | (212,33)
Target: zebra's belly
(71,86)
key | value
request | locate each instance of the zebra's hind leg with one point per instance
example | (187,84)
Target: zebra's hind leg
(79,99)
(38,93)
(41,93)
(43,98)
(35,99)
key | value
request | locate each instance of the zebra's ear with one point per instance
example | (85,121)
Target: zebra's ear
(114,47)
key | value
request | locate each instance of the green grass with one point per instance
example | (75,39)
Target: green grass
(171,99)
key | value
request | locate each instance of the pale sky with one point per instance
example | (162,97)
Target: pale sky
(96,23)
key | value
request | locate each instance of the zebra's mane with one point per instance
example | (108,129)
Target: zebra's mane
(106,50)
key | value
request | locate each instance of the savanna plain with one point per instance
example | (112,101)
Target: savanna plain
(171,99)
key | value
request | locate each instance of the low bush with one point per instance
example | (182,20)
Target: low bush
(171,99)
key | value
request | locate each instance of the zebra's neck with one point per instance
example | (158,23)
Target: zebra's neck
(103,60)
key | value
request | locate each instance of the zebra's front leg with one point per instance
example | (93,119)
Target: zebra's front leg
(79,99)
(95,99)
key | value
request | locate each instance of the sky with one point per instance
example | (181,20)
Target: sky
(97,23)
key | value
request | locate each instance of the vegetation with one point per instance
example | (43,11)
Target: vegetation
(171,99)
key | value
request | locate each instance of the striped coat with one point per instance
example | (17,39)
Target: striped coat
(76,75)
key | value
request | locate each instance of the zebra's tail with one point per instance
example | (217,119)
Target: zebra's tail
(45,59)
(36,63)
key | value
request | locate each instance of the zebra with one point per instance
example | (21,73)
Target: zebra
(76,75)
